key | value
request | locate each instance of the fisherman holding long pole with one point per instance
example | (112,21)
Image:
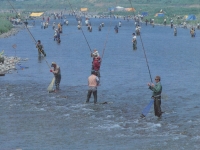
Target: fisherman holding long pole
(156,95)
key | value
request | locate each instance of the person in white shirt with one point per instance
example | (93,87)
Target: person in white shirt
(134,40)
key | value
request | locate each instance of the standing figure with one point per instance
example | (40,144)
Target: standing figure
(57,74)
(152,22)
(96,65)
(156,95)
(67,22)
(192,32)
(79,26)
(134,41)
(137,30)
(175,31)
(54,25)
(44,24)
(41,25)
(198,25)
(100,27)
(55,35)
(89,28)
(165,21)
(40,48)
(146,21)
(93,82)
(120,24)
(116,29)
(171,23)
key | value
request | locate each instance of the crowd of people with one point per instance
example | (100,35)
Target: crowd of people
(94,78)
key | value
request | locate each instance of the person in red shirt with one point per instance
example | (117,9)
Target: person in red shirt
(96,65)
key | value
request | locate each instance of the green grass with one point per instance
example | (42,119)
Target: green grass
(170,7)
(5,24)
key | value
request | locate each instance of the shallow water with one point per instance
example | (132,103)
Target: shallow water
(33,119)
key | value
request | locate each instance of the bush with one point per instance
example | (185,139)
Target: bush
(5,24)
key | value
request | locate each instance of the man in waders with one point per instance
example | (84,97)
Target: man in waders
(134,40)
(116,29)
(157,90)
(100,27)
(192,32)
(57,73)
(93,82)
(40,47)
(175,31)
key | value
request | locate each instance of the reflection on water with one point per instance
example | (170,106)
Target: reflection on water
(31,118)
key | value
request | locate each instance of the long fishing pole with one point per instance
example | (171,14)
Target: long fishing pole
(81,28)
(29,33)
(106,38)
(143,46)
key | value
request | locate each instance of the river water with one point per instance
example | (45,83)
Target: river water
(33,119)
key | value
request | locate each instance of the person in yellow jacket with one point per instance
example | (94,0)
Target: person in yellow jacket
(93,82)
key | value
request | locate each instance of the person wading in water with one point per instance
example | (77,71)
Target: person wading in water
(175,31)
(116,29)
(157,90)
(40,47)
(57,74)
(134,40)
(93,82)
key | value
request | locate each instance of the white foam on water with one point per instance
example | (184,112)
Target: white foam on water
(136,121)
(149,126)
(66,115)
(78,105)
(110,116)
(171,126)
(86,109)
(122,135)
(42,109)
(11,94)
(176,138)
(154,125)
(196,138)
(109,126)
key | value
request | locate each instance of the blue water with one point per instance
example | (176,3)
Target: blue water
(31,118)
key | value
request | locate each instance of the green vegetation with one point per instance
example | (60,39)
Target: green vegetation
(171,8)
(5,24)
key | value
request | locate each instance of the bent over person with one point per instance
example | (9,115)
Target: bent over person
(157,90)
(57,73)
(93,82)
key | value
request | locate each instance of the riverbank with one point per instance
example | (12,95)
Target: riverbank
(12,31)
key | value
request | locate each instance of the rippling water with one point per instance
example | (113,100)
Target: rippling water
(33,119)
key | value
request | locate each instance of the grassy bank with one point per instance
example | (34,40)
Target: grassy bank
(5,24)
(171,8)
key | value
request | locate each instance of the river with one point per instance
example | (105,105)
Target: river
(32,119)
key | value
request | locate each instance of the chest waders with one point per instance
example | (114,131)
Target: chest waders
(134,44)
